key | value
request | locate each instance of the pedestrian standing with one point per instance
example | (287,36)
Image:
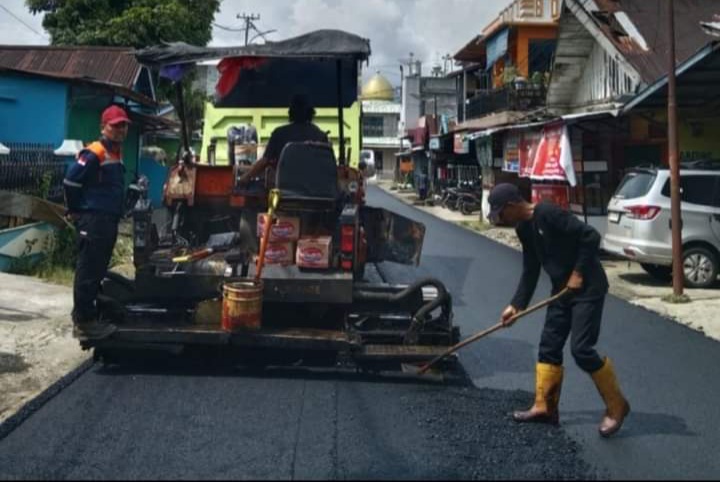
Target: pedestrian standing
(94,195)
(568,250)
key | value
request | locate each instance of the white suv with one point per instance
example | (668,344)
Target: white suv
(639,225)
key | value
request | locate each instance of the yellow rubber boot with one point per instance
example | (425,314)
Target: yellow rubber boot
(548,382)
(617,407)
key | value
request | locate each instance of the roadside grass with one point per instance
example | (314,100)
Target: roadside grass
(123,253)
(677,299)
(57,266)
(59,275)
(478,226)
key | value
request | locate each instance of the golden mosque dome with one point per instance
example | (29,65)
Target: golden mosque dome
(378,88)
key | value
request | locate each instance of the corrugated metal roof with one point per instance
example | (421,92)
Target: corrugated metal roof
(650,19)
(473,51)
(107,65)
(698,85)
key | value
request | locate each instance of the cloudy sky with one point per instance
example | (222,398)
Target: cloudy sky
(427,28)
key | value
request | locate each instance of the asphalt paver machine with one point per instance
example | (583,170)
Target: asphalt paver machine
(196,286)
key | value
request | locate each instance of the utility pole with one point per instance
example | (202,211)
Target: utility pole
(676,213)
(249,22)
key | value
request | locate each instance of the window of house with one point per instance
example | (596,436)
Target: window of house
(373,126)
(540,55)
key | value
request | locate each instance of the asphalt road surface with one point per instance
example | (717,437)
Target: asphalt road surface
(295,423)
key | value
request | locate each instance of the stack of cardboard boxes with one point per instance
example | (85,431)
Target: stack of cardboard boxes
(287,245)
(283,235)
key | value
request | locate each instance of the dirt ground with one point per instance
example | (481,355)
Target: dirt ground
(36,343)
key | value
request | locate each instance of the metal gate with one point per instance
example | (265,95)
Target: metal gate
(33,169)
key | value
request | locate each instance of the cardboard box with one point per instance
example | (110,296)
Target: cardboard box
(285,228)
(280,254)
(314,252)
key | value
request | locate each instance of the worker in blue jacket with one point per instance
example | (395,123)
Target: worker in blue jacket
(95,195)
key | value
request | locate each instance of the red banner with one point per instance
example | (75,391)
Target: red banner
(558,195)
(547,161)
(529,143)
(230,69)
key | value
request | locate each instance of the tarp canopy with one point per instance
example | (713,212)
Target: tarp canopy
(274,82)
(320,44)
(497,47)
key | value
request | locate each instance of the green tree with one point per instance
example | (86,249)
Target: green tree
(127,23)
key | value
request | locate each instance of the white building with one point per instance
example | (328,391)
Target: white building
(381,116)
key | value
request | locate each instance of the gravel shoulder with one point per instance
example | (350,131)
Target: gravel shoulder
(36,343)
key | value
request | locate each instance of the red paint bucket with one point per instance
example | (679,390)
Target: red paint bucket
(242,305)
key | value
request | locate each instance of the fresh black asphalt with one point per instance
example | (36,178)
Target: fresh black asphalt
(294,423)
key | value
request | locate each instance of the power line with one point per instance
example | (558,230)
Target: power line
(250,23)
(228,28)
(249,26)
(22,22)
(263,35)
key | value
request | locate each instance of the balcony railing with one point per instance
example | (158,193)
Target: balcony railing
(513,98)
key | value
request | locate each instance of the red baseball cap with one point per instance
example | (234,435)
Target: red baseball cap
(114,115)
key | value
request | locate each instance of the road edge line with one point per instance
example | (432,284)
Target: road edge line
(28,409)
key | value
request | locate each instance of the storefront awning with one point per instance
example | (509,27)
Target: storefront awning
(495,130)
(580,116)
(490,121)
(485,133)
(568,119)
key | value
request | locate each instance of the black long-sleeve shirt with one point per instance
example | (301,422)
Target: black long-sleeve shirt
(559,242)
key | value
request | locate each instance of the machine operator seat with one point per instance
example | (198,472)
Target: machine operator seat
(307,176)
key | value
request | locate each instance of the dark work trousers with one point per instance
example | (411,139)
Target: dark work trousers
(97,233)
(579,319)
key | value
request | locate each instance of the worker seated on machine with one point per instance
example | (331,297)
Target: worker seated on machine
(300,129)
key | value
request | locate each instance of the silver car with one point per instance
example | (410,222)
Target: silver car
(639,225)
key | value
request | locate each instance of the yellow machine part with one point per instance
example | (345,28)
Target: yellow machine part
(265,120)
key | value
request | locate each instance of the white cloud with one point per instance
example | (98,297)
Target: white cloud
(427,28)
(13,32)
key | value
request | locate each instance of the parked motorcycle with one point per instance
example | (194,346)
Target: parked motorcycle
(469,203)
(466,197)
